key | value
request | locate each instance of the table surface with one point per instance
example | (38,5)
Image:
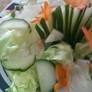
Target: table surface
(4,3)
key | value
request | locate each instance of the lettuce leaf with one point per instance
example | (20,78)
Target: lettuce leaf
(82,50)
(61,53)
(24,81)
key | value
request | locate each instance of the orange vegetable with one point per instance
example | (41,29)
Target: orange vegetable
(88,35)
(46,10)
(11,11)
(62,76)
(90,65)
(40,43)
(67,76)
(80,4)
(44,13)
(36,19)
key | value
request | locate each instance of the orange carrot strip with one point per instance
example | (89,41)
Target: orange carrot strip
(83,4)
(62,76)
(59,86)
(81,7)
(88,35)
(90,65)
(91,28)
(85,31)
(80,4)
(67,1)
(46,4)
(11,11)
(40,43)
(67,77)
(45,12)
(90,44)
(36,19)
(91,36)
(60,73)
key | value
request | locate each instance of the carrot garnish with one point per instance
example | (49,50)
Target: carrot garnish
(58,86)
(67,76)
(90,65)
(83,4)
(62,76)
(45,12)
(40,43)
(36,19)
(88,35)
(80,4)
(11,11)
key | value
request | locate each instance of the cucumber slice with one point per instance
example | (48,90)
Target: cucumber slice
(19,63)
(14,24)
(46,75)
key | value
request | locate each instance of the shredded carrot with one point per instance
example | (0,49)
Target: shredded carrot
(88,35)
(80,4)
(67,76)
(90,65)
(36,19)
(67,1)
(60,73)
(59,86)
(45,12)
(83,4)
(62,76)
(11,11)
(40,43)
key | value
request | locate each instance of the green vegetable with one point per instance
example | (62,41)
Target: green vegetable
(15,44)
(82,50)
(46,75)
(45,27)
(12,89)
(18,7)
(14,24)
(43,31)
(40,32)
(61,53)
(69,21)
(13,15)
(24,81)
(12,40)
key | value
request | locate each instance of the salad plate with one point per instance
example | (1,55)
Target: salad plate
(46,46)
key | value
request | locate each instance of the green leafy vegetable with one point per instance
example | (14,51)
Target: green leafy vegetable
(24,81)
(61,53)
(82,50)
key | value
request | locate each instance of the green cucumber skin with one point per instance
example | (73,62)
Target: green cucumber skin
(45,60)
(17,20)
(29,27)
(21,70)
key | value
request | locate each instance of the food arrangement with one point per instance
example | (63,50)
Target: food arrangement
(51,51)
